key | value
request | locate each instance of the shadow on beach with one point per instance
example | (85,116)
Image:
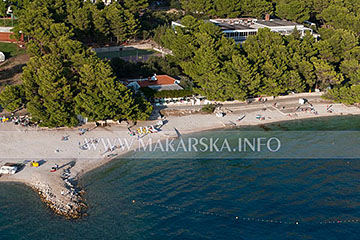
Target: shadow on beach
(70,164)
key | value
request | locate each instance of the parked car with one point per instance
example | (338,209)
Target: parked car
(8,169)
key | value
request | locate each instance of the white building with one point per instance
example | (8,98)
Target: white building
(240,28)
(106,2)
(156,82)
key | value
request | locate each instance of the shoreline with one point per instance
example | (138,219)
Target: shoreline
(219,128)
(68,201)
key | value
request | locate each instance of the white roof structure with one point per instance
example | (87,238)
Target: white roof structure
(106,2)
(240,28)
(2,57)
(166,87)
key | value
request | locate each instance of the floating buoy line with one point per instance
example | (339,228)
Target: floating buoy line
(242,218)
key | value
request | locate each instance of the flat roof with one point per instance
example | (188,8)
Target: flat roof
(166,87)
(276,23)
(227,26)
(232,24)
(248,24)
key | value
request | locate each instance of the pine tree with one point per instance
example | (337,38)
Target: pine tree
(101,25)
(326,74)
(135,6)
(297,11)
(12,97)
(122,22)
(101,96)
(49,91)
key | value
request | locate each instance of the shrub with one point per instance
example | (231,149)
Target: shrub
(208,108)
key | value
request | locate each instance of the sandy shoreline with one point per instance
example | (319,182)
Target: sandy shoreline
(59,189)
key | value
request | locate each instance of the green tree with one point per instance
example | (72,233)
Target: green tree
(300,52)
(351,70)
(122,22)
(345,94)
(256,8)
(297,11)
(80,18)
(135,6)
(3,8)
(49,89)
(226,8)
(342,15)
(326,74)
(206,67)
(101,24)
(12,97)
(246,76)
(103,97)
(268,52)
(196,6)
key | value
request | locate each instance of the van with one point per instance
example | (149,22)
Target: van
(8,169)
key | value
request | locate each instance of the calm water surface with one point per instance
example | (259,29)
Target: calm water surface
(199,199)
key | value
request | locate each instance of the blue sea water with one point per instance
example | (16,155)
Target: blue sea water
(207,197)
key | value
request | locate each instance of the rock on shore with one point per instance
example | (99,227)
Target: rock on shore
(69,202)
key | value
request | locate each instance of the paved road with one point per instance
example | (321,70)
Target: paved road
(292,100)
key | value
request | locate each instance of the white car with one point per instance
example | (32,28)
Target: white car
(8,170)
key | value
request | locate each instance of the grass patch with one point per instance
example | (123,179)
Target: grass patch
(126,53)
(11,50)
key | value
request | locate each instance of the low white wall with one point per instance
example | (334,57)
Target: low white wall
(127,47)
(6,29)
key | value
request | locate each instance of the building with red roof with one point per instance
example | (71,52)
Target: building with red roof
(156,82)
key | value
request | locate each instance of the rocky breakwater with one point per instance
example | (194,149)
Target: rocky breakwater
(66,200)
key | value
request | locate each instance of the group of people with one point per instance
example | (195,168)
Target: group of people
(21,120)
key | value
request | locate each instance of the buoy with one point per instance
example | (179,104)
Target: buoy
(133,201)
(297,223)
(236,217)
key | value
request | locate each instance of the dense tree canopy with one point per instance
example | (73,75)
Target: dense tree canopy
(12,97)
(228,8)
(337,13)
(64,79)
(89,22)
(59,87)
(298,11)
(266,64)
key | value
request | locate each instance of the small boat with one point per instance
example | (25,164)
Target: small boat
(241,118)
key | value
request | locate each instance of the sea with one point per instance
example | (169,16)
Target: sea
(311,190)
